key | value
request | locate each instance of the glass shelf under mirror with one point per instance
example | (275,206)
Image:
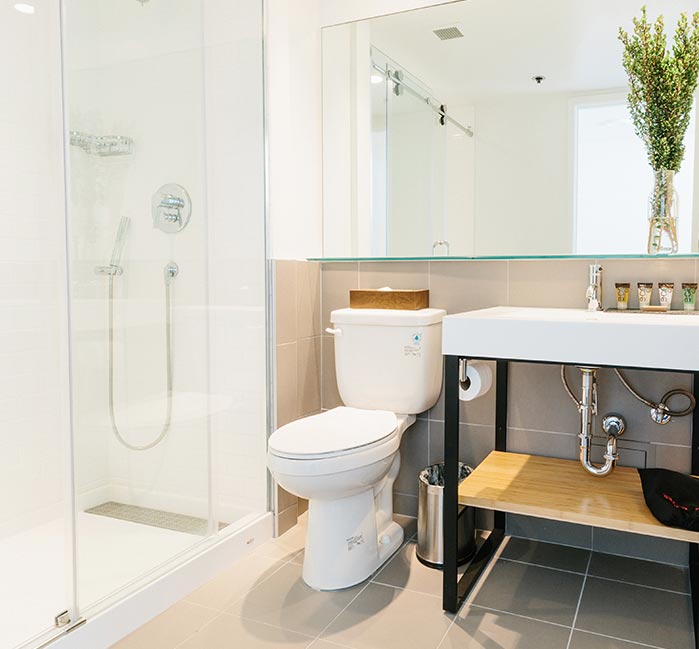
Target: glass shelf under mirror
(504,258)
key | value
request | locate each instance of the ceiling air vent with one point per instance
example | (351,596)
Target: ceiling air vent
(447,33)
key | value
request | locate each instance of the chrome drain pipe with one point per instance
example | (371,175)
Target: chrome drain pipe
(612,425)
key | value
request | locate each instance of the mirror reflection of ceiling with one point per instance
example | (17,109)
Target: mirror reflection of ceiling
(526,181)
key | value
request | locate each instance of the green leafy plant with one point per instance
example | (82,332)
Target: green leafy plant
(662,82)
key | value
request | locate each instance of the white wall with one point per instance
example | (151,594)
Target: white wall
(333,12)
(522,183)
(293,65)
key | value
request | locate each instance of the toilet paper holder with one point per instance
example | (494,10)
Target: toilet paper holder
(475,379)
(464,381)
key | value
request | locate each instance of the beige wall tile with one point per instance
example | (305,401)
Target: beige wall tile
(330,397)
(285,290)
(475,443)
(396,274)
(549,283)
(308,299)
(466,285)
(286,387)
(675,458)
(336,281)
(404,504)
(538,401)
(308,375)
(413,457)
(535,442)
(287,519)
(285,499)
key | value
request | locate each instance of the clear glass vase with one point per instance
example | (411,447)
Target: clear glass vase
(662,214)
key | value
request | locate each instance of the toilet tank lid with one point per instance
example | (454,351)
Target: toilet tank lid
(337,430)
(387,317)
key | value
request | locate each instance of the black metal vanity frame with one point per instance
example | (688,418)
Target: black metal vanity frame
(455,590)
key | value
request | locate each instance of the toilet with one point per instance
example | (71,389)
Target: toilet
(388,365)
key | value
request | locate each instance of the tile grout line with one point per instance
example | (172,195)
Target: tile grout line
(613,637)
(327,626)
(633,583)
(524,617)
(477,585)
(577,608)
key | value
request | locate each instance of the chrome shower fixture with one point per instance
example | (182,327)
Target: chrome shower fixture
(171,208)
(102,145)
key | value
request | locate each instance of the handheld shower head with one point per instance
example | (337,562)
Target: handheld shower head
(120,241)
(114,267)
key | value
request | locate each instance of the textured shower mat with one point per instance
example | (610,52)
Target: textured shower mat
(153,517)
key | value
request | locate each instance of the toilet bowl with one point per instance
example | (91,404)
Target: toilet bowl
(345,460)
(348,484)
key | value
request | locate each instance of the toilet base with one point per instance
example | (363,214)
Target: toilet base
(344,545)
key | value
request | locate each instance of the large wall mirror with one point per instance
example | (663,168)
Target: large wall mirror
(490,128)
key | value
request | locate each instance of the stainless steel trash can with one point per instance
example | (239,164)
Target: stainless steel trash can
(430,546)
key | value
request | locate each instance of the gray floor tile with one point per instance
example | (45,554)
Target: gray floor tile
(476,628)
(583,640)
(549,555)
(536,592)
(227,631)
(404,570)
(638,571)
(650,548)
(285,601)
(383,617)
(635,613)
(224,590)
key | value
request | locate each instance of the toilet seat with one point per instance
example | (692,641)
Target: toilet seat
(334,433)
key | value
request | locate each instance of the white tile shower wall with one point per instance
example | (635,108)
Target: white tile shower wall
(33,371)
(173,87)
(541,419)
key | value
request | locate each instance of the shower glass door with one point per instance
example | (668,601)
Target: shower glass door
(36,565)
(167,265)
(133,347)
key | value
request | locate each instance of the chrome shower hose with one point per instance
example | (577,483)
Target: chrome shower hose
(168,370)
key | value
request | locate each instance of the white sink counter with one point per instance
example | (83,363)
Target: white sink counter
(620,339)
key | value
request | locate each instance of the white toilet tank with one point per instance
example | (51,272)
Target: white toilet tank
(388,359)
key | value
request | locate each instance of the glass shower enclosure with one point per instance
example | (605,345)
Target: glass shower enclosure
(133,323)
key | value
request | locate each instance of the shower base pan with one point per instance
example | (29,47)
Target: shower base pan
(153,517)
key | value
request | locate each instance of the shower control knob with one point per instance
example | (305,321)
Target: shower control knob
(613,425)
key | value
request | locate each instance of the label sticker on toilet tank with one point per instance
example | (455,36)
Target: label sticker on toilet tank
(415,346)
(354,541)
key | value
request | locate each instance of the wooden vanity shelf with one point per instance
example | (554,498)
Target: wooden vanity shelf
(561,490)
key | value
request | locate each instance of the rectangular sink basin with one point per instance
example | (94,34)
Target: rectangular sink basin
(618,339)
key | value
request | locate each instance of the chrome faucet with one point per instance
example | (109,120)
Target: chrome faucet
(594,289)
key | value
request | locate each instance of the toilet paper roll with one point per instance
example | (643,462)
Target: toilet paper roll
(480,380)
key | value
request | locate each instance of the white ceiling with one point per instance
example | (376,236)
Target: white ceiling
(573,43)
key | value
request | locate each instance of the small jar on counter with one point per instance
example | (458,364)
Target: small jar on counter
(645,294)
(689,295)
(623,289)
(666,289)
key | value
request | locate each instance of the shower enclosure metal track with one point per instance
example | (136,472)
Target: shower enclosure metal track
(455,590)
